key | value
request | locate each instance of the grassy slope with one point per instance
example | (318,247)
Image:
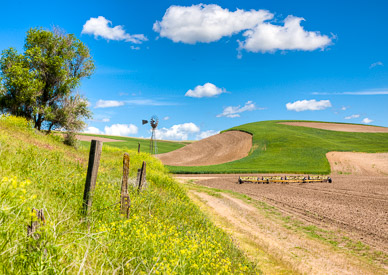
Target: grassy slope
(128,143)
(165,233)
(279,148)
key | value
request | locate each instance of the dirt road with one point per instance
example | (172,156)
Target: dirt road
(275,245)
(358,205)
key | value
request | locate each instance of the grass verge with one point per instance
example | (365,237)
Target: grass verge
(165,233)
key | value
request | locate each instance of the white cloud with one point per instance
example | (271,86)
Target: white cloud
(209,23)
(343,108)
(166,118)
(234,111)
(105,120)
(93,130)
(100,26)
(207,90)
(378,63)
(206,23)
(352,116)
(291,36)
(114,130)
(135,48)
(177,132)
(308,105)
(108,103)
(121,130)
(366,120)
(206,134)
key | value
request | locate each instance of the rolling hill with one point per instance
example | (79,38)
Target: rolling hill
(281,148)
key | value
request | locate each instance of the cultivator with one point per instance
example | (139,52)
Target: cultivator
(286,179)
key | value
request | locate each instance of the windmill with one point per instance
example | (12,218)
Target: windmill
(154,123)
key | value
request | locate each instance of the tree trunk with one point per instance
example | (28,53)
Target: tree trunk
(49,129)
(38,122)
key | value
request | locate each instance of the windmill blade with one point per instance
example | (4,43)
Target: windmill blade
(144,121)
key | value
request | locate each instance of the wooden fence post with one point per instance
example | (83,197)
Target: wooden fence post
(138,147)
(125,200)
(91,177)
(35,223)
(142,176)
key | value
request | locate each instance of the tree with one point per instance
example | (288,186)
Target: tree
(39,84)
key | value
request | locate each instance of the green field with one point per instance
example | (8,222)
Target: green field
(165,233)
(279,148)
(129,143)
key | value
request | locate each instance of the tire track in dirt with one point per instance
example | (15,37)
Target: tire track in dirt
(295,251)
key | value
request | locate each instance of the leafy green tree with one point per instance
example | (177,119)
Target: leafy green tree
(39,84)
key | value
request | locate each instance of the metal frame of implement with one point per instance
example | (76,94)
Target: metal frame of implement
(286,179)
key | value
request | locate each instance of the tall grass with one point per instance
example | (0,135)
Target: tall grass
(165,233)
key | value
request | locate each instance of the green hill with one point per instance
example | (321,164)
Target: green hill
(129,143)
(279,148)
(165,233)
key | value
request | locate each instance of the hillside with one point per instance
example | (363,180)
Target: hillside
(129,143)
(280,148)
(165,233)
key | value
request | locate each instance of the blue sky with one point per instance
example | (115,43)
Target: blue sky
(205,68)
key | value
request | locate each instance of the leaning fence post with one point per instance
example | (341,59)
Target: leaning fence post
(35,223)
(91,177)
(138,147)
(142,176)
(125,200)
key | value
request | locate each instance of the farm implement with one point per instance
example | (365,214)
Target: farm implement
(286,179)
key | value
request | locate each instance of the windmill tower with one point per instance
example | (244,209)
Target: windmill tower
(154,123)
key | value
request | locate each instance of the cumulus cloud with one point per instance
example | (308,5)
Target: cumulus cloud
(121,129)
(206,23)
(378,63)
(352,116)
(177,132)
(308,105)
(291,36)
(108,103)
(209,23)
(366,120)
(206,134)
(114,130)
(234,111)
(101,27)
(92,130)
(207,90)
(166,118)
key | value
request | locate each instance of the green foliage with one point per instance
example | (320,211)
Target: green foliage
(165,233)
(279,148)
(38,84)
(71,140)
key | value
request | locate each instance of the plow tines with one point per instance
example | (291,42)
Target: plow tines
(286,179)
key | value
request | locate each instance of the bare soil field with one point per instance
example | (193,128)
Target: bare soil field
(275,246)
(89,138)
(356,204)
(340,127)
(217,149)
(359,163)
